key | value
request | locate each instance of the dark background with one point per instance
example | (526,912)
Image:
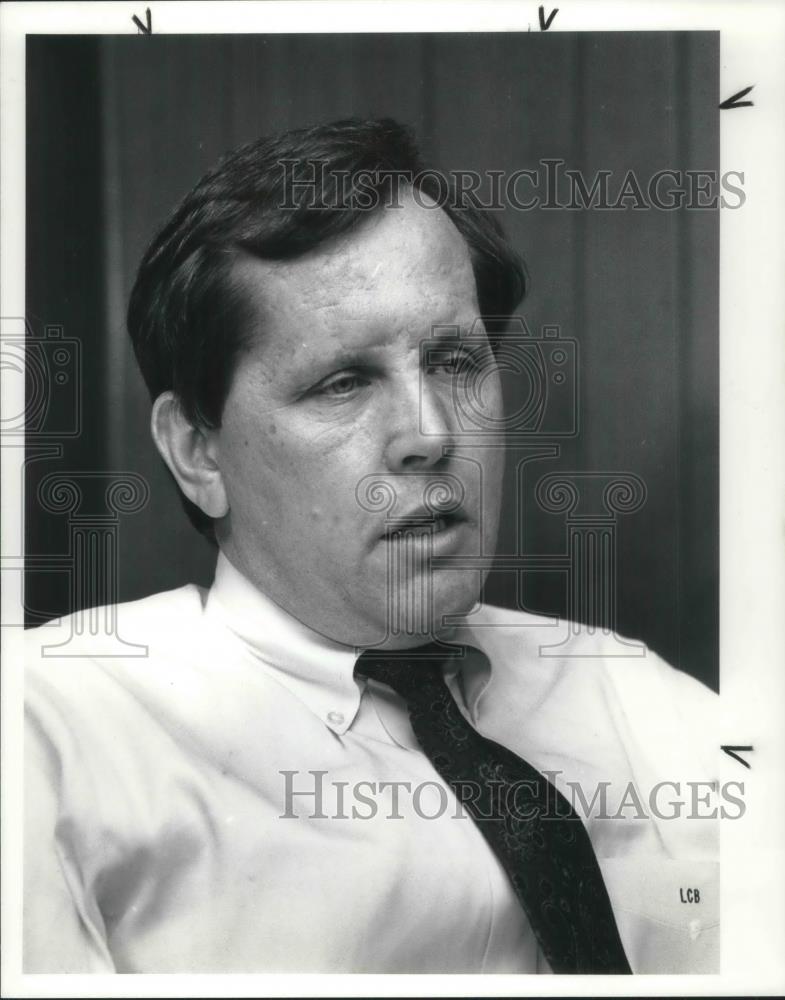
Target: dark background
(120,127)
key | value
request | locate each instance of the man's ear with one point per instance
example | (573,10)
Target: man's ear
(190,454)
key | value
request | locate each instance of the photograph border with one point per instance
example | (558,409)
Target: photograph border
(752,479)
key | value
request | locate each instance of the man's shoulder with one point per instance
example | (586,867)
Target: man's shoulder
(564,689)
(78,649)
(549,653)
(109,674)
(89,627)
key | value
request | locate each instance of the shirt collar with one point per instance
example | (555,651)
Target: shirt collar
(314,668)
(317,670)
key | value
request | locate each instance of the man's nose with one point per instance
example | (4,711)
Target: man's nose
(420,426)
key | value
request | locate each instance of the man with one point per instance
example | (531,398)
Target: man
(337,759)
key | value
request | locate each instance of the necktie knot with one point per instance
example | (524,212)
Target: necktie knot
(407,671)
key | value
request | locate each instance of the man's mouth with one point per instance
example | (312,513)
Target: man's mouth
(423,524)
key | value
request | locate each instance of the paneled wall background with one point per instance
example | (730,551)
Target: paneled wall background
(120,127)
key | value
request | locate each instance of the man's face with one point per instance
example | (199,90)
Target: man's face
(333,390)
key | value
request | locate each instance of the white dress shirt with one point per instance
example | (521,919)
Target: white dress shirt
(236,801)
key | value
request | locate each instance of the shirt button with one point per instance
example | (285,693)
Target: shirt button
(335,717)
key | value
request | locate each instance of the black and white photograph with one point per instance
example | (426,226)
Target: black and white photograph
(392,498)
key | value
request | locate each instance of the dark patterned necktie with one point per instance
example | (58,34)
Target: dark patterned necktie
(544,848)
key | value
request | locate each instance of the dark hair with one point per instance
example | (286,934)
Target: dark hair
(276,199)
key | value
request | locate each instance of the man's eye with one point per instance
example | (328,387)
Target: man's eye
(343,385)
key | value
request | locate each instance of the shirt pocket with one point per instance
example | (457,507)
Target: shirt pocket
(667,913)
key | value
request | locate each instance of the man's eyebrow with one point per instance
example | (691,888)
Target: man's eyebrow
(358,355)
(452,331)
(349,358)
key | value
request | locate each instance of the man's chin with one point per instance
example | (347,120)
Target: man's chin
(419,613)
